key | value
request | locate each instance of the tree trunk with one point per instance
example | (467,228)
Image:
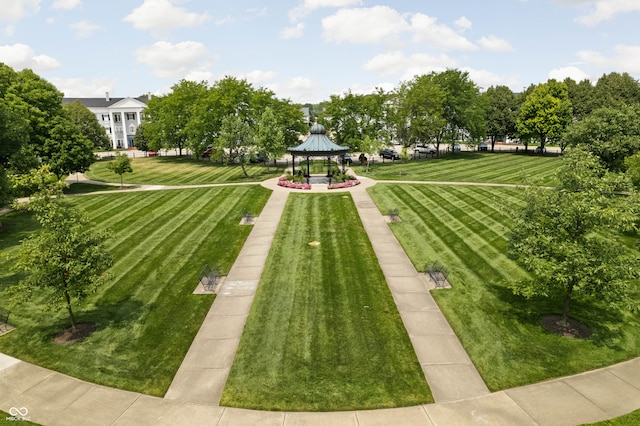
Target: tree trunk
(121,182)
(567,303)
(244,170)
(71,317)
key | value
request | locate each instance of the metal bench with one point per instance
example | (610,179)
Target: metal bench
(4,319)
(209,278)
(438,273)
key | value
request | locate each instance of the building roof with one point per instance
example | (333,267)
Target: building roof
(318,144)
(103,102)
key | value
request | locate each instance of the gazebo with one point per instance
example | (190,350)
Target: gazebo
(317,144)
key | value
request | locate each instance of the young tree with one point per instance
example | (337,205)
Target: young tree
(545,113)
(67,150)
(501,113)
(120,165)
(88,124)
(236,136)
(66,259)
(566,237)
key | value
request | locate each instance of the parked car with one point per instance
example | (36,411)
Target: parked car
(456,147)
(483,146)
(346,159)
(541,150)
(425,149)
(389,154)
(258,158)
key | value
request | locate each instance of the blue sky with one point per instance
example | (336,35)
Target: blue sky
(306,50)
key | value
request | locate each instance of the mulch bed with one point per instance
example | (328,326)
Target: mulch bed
(68,336)
(571,328)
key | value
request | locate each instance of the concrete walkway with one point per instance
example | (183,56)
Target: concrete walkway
(461,397)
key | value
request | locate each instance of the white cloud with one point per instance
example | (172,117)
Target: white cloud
(408,66)
(572,72)
(293,32)
(13,10)
(298,89)
(607,9)
(66,4)
(161,16)
(175,60)
(623,59)
(84,29)
(365,25)
(258,77)
(428,29)
(309,6)
(81,88)
(463,23)
(21,56)
(485,79)
(495,44)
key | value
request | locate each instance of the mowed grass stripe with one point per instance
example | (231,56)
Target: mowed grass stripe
(325,333)
(181,171)
(500,331)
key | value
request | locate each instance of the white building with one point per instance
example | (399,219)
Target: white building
(119,116)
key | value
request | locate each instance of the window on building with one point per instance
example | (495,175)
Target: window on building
(105,117)
(132,129)
(117,118)
(131,116)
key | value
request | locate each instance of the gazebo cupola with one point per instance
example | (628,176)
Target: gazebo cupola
(317,144)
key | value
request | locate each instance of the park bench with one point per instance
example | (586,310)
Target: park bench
(4,319)
(394,215)
(209,278)
(438,273)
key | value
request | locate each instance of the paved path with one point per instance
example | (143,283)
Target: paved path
(193,397)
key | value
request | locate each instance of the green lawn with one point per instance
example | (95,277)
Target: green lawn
(181,171)
(147,317)
(466,167)
(324,333)
(464,228)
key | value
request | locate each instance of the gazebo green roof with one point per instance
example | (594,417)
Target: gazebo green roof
(318,144)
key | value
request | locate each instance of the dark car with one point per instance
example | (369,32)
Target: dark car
(389,154)
(346,159)
(257,159)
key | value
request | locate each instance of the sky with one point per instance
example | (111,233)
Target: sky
(307,50)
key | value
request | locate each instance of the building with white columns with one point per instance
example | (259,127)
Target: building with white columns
(119,116)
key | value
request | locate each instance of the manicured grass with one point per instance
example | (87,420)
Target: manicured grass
(85,188)
(631,419)
(182,171)
(324,333)
(466,167)
(147,316)
(7,419)
(464,227)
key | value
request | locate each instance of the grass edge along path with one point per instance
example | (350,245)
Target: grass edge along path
(146,317)
(326,335)
(464,227)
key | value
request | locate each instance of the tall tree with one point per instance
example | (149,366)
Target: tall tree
(88,125)
(236,137)
(66,150)
(269,136)
(545,113)
(463,108)
(582,96)
(566,237)
(502,110)
(614,89)
(65,259)
(611,133)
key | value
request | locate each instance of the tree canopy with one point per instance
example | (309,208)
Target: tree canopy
(88,124)
(567,237)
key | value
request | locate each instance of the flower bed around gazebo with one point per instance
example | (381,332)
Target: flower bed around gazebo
(345,184)
(285,182)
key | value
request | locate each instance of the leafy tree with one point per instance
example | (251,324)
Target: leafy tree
(611,133)
(615,89)
(566,237)
(88,124)
(236,137)
(66,150)
(418,117)
(269,138)
(120,165)
(502,110)
(66,259)
(141,139)
(632,164)
(463,109)
(582,97)
(545,113)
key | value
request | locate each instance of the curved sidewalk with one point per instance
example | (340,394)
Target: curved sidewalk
(192,399)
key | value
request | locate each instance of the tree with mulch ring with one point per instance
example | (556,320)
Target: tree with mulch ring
(568,240)
(65,257)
